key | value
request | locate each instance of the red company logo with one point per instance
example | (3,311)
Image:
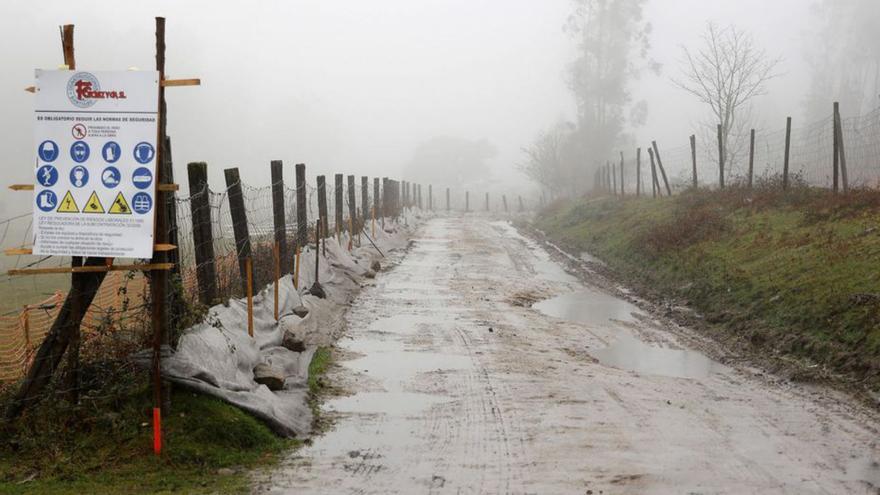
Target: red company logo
(83,90)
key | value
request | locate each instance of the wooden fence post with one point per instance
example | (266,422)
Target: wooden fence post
(276,263)
(613,168)
(322,204)
(835,147)
(694,158)
(376,210)
(841,147)
(622,188)
(655,185)
(751,157)
(249,290)
(638,172)
(487,201)
(720,158)
(467,201)
(239,222)
(352,208)
(203,236)
(447,199)
(338,201)
(430,198)
(279,222)
(660,166)
(504,201)
(787,153)
(521,207)
(365,201)
(302,212)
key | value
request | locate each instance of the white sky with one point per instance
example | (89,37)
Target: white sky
(353,86)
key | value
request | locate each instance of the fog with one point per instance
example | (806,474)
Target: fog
(356,87)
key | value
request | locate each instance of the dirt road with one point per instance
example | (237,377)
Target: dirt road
(459,385)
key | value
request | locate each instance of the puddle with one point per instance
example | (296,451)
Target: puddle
(632,354)
(626,352)
(395,403)
(589,307)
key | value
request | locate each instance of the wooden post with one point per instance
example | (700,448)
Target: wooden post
(660,166)
(835,140)
(430,198)
(352,213)
(720,158)
(638,172)
(613,169)
(787,153)
(158,278)
(365,201)
(487,201)
(318,235)
(322,204)
(655,186)
(279,222)
(249,283)
(504,201)
(622,188)
(521,207)
(203,235)
(276,249)
(302,211)
(694,159)
(376,210)
(239,222)
(467,201)
(339,205)
(296,268)
(841,147)
(751,157)
(385,200)
(447,199)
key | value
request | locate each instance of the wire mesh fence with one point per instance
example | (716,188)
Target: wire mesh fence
(811,156)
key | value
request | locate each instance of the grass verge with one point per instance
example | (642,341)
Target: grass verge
(104,445)
(785,274)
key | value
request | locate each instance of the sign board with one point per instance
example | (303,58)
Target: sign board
(95,142)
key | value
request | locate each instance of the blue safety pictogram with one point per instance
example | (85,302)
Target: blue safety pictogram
(141,203)
(79,176)
(48,151)
(46,200)
(111,177)
(142,178)
(111,152)
(144,152)
(79,151)
(47,176)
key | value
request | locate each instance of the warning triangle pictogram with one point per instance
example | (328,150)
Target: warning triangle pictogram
(120,206)
(68,204)
(93,205)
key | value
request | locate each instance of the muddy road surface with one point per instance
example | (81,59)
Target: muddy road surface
(478,365)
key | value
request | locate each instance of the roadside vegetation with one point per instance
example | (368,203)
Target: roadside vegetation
(104,444)
(791,275)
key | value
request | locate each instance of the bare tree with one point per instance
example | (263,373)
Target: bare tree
(726,73)
(545,158)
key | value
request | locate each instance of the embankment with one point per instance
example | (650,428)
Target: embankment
(792,279)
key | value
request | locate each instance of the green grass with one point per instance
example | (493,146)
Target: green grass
(793,273)
(105,444)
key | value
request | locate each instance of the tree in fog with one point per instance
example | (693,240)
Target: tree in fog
(725,73)
(844,58)
(612,43)
(548,159)
(451,161)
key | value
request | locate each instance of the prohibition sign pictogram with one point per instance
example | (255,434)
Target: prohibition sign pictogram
(78,131)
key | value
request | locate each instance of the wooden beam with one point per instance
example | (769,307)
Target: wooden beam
(171,83)
(25,251)
(22,187)
(168,187)
(91,269)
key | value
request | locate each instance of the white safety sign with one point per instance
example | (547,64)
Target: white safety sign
(95,163)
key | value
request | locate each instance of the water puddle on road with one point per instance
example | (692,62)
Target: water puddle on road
(589,307)
(625,352)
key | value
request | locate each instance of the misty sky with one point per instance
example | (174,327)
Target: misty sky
(353,86)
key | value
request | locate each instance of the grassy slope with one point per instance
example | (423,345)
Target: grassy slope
(105,446)
(796,273)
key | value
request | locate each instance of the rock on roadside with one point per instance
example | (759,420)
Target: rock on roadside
(269,376)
